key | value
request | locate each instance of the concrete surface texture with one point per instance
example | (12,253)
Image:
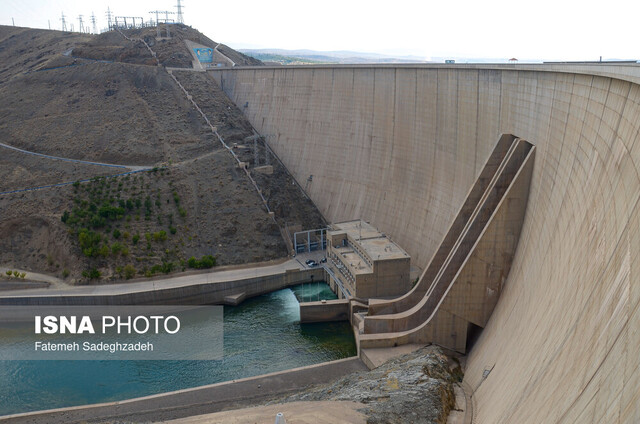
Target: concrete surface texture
(201,400)
(295,412)
(401,146)
(366,261)
(221,287)
(468,285)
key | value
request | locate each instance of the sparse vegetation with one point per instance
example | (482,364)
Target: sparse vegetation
(91,273)
(129,271)
(102,206)
(16,274)
(202,191)
(207,261)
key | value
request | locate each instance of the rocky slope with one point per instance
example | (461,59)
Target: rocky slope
(413,388)
(103,98)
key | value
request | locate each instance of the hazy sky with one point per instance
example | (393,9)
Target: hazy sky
(542,29)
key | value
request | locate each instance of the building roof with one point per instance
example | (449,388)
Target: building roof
(374,243)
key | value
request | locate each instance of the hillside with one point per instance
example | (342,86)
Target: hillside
(171,52)
(104,99)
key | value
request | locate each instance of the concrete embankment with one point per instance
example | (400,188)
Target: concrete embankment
(324,311)
(204,289)
(200,400)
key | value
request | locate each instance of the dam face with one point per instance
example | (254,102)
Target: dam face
(400,146)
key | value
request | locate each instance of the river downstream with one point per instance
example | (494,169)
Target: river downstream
(262,335)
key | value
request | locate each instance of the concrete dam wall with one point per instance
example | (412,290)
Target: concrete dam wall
(400,146)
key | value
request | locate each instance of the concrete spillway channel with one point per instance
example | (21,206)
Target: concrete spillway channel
(462,284)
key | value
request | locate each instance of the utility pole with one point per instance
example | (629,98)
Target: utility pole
(13,22)
(109,18)
(179,7)
(80,28)
(64,22)
(49,20)
(93,22)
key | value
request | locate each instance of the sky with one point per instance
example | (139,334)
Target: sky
(491,29)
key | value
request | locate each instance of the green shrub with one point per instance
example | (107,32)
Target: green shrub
(165,267)
(91,273)
(116,234)
(207,261)
(111,212)
(136,238)
(160,236)
(89,242)
(9,273)
(182,212)
(116,248)
(104,250)
(97,221)
(65,273)
(173,230)
(65,217)
(129,271)
(23,274)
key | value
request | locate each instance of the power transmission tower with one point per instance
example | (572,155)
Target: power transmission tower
(93,22)
(109,18)
(64,22)
(180,17)
(81,28)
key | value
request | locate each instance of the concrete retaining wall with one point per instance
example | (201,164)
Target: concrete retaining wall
(197,401)
(323,311)
(196,294)
(400,146)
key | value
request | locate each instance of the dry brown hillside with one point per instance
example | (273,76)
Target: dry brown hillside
(124,110)
(171,52)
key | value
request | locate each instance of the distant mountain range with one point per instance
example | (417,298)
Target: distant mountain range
(294,57)
(288,57)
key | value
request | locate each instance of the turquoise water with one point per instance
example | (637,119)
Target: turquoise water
(261,335)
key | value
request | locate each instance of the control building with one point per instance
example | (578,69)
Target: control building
(364,263)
